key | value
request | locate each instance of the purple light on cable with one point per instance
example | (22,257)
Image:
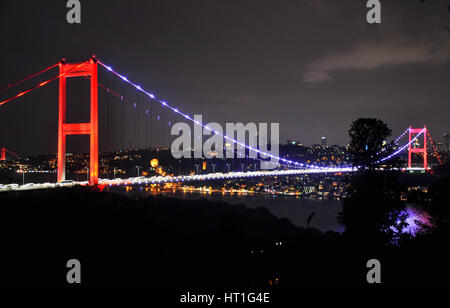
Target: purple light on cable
(402,148)
(204,126)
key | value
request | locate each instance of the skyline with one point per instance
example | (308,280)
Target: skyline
(212,59)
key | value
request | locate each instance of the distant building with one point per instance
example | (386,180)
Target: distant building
(291,142)
(308,189)
(324,141)
(447,142)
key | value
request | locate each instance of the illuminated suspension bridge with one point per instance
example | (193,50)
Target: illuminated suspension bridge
(4,151)
(167,114)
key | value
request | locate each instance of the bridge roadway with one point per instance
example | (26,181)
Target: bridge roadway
(178,179)
(187,178)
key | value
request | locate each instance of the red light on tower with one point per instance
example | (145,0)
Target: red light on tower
(88,68)
(423,150)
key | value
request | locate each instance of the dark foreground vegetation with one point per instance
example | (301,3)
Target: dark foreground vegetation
(158,242)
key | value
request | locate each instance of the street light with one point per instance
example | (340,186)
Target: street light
(214,167)
(242,167)
(197,165)
(228,165)
(87,173)
(114,172)
(138,170)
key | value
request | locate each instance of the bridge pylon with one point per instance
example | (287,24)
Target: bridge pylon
(88,68)
(423,150)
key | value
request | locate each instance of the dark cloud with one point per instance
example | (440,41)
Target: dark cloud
(374,55)
(233,61)
(402,38)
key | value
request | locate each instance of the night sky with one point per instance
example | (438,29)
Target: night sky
(314,66)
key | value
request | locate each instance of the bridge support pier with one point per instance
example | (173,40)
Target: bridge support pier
(88,68)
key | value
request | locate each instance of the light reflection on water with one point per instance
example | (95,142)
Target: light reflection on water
(415,219)
(295,209)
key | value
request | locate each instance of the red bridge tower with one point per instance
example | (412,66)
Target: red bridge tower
(88,68)
(423,150)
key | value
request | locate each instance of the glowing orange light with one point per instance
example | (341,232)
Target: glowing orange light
(154,163)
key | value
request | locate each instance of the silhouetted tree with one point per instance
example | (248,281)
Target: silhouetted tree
(438,197)
(372,209)
(366,141)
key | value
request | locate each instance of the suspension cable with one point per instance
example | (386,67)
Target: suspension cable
(164,104)
(394,142)
(39,85)
(402,148)
(11,152)
(434,147)
(186,116)
(122,98)
(27,78)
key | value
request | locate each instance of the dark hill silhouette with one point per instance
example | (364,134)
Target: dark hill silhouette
(163,242)
(153,241)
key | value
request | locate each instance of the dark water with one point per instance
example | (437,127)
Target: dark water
(295,209)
